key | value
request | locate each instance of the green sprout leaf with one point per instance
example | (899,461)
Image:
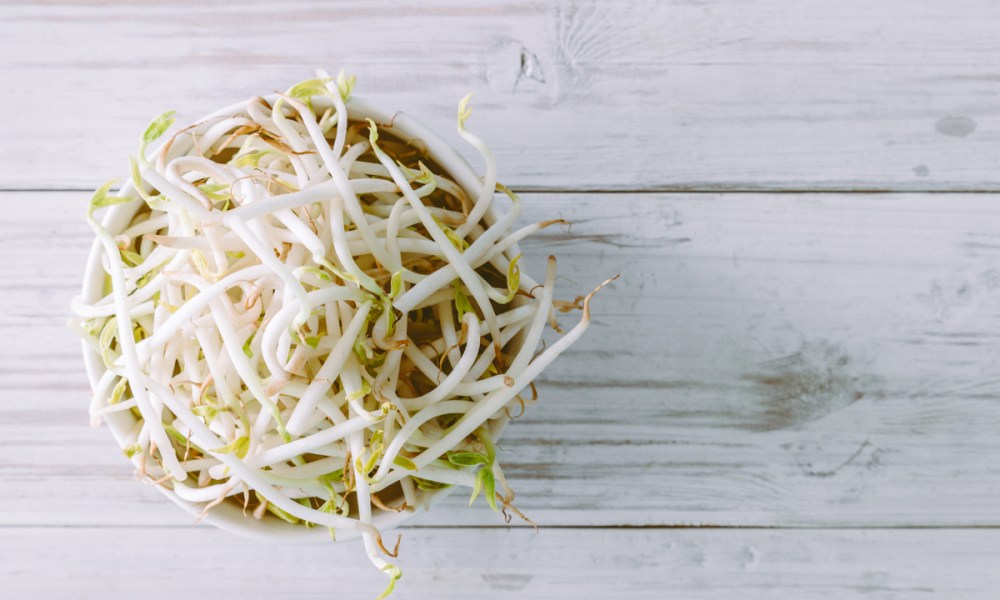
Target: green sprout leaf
(464,111)
(154,130)
(364,391)
(489,488)
(487,484)
(402,461)
(240,447)
(217,193)
(376,439)
(180,438)
(327,479)
(476,489)
(328,120)
(149,276)
(133,169)
(370,464)
(428,485)
(396,284)
(205,411)
(214,191)
(157,127)
(394,574)
(456,240)
(251,158)
(345,84)
(366,355)
(320,273)
(330,507)
(336,271)
(246,346)
(284,516)
(119,391)
(305,90)
(154,202)
(95,325)
(131,450)
(462,303)
(363,350)
(467,459)
(107,338)
(100,198)
(513,280)
(425,177)
(390,315)
(130,258)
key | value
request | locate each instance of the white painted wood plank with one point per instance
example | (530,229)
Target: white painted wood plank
(112,564)
(572,95)
(766,359)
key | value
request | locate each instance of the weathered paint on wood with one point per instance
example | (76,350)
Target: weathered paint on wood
(800,360)
(704,564)
(765,359)
(571,95)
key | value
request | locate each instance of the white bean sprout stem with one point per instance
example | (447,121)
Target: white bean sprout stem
(310,318)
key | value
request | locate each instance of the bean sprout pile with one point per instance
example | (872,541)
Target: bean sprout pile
(309,318)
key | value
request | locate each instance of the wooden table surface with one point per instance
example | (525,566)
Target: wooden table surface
(792,392)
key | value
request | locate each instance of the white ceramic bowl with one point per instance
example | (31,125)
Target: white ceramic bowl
(227,515)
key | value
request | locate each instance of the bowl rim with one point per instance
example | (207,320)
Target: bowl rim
(227,516)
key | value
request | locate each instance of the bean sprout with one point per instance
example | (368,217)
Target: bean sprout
(310,318)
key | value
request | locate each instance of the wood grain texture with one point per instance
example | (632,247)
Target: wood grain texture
(159,564)
(813,375)
(571,95)
(765,360)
